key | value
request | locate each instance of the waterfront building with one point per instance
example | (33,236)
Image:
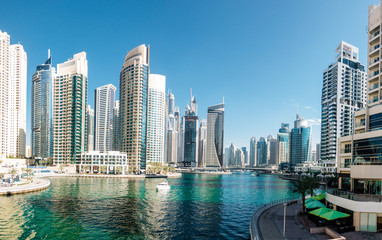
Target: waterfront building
(343,92)
(262,152)
(104,102)
(252,152)
(169,122)
(69,110)
(156,118)
(283,138)
(17,101)
(245,154)
(178,134)
(191,136)
(239,158)
(111,162)
(300,141)
(272,150)
(133,106)
(318,151)
(116,128)
(215,136)
(231,155)
(359,162)
(202,143)
(89,132)
(4,89)
(42,110)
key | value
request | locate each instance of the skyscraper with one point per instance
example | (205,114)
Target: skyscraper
(283,145)
(300,141)
(89,132)
(42,109)
(215,136)
(273,145)
(245,154)
(116,128)
(202,143)
(4,90)
(239,157)
(69,109)
(156,118)
(104,102)
(343,92)
(252,152)
(133,106)
(231,155)
(17,100)
(191,136)
(169,124)
(262,151)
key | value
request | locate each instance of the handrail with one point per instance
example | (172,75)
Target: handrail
(254,223)
(355,196)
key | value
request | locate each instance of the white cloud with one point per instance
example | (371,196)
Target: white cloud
(314,121)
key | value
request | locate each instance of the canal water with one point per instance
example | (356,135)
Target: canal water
(198,206)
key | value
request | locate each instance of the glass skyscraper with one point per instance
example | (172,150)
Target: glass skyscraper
(190,146)
(300,141)
(42,110)
(215,136)
(133,106)
(252,152)
(283,138)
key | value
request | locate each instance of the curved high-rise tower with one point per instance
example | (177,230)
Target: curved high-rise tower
(215,136)
(133,106)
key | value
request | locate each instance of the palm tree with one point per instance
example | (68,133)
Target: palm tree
(302,186)
(22,171)
(13,172)
(313,184)
(61,168)
(29,172)
(103,169)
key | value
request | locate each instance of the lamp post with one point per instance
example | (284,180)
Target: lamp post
(285,205)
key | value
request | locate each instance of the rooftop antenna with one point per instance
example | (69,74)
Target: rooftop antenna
(297,108)
(48,53)
(191,93)
(223,99)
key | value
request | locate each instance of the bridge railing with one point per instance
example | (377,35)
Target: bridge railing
(254,223)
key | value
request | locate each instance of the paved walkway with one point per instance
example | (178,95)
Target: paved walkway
(36,185)
(272,220)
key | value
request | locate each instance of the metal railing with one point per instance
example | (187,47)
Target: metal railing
(254,223)
(355,196)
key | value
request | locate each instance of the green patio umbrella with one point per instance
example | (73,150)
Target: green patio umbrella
(334,215)
(314,204)
(319,197)
(320,211)
(309,200)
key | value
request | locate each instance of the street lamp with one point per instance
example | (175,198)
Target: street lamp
(285,205)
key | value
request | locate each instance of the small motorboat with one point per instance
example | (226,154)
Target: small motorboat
(163,186)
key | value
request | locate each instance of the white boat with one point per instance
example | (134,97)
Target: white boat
(163,186)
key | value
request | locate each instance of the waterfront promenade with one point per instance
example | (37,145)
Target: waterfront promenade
(37,185)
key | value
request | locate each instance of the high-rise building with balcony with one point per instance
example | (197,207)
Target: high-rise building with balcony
(89,132)
(69,110)
(104,101)
(116,128)
(42,109)
(190,136)
(343,92)
(133,106)
(300,142)
(17,100)
(156,118)
(273,147)
(4,90)
(215,136)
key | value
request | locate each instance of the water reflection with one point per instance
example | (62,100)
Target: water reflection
(196,206)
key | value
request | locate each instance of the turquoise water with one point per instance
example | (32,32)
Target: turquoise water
(198,206)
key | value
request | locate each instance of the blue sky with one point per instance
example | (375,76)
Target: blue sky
(263,56)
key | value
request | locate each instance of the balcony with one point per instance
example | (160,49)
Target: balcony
(375,73)
(374,35)
(373,62)
(374,86)
(359,124)
(374,48)
(375,99)
(355,196)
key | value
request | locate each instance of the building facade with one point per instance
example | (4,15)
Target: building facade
(69,110)
(273,147)
(133,106)
(263,152)
(116,127)
(104,101)
(252,152)
(111,162)
(343,92)
(17,101)
(42,110)
(215,136)
(202,143)
(156,118)
(190,136)
(283,138)
(89,132)
(300,142)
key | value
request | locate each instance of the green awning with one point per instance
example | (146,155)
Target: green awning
(309,200)
(319,197)
(314,204)
(320,211)
(334,215)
